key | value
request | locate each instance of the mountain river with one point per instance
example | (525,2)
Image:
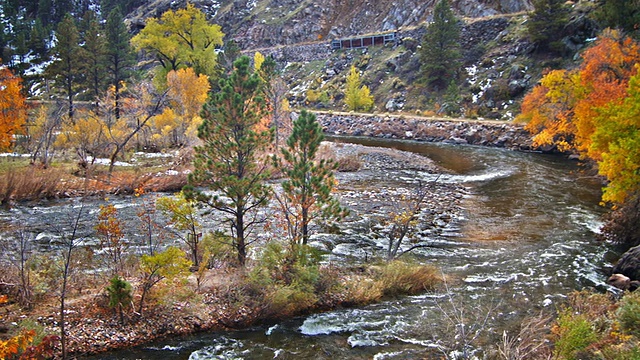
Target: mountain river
(526,240)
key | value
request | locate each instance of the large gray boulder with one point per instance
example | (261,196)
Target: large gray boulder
(629,264)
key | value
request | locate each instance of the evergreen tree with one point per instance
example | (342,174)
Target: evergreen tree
(546,24)
(38,41)
(228,161)
(61,8)
(67,69)
(45,9)
(309,181)
(621,14)
(95,48)
(440,53)
(120,295)
(119,55)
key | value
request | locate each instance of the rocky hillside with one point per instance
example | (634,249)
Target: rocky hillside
(499,62)
(265,23)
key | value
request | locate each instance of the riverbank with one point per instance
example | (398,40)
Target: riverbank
(500,134)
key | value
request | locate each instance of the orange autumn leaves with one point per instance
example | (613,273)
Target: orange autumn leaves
(13,108)
(593,110)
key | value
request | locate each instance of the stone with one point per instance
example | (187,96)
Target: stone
(629,264)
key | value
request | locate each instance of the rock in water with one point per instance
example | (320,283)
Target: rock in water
(629,264)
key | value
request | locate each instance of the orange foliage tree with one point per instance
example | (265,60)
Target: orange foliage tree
(560,111)
(13,108)
(594,110)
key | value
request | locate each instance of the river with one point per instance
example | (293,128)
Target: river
(526,241)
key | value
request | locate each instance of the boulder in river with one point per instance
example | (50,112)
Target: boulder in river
(629,264)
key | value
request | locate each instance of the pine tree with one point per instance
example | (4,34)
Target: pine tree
(440,53)
(94,56)
(356,96)
(228,161)
(119,55)
(546,24)
(622,14)
(67,69)
(309,181)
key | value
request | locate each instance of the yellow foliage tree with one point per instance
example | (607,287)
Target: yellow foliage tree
(87,135)
(357,97)
(617,138)
(178,123)
(181,38)
(13,108)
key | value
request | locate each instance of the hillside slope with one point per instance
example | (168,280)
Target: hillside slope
(263,23)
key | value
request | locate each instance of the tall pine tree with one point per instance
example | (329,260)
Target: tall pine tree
(228,161)
(546,24)
(119,55)
(95,48)
(67,71)
(309,181)
(440,53)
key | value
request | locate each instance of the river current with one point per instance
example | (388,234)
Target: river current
(527,240)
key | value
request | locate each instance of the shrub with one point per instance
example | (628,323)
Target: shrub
(285,280)
(629,313)
(288,300)
(359,291)
(402,278)
(349,163)
(574,334)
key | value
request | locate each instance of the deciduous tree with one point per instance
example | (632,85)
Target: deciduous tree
(356,96)
(183,216)
(560,111)
(186,94)
(111,233)
(229,161)
(179,39)
(13,108)
(617,138)
(169,264)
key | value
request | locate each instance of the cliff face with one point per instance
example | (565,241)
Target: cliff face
(264,23)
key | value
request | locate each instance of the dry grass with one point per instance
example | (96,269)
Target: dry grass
(29,183)
(402,278)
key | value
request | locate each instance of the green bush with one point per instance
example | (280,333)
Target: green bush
(629,313)
(286,279)
(574,334)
